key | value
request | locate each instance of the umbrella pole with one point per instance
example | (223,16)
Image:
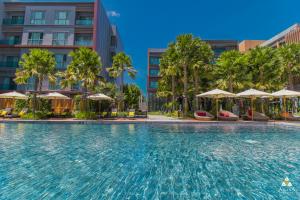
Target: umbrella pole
(284,104)
(252,113)
(217,105)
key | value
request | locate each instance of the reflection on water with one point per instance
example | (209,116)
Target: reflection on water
(138,161)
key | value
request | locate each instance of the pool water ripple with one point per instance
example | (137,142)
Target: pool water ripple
(140,161)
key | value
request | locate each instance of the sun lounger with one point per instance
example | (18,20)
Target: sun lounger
(23,112)
(227,116)
(257,116)
(203,116)
(114,113)
(290,116)
(5,112)
(131,113)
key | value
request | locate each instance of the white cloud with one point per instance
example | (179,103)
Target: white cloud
(113,13)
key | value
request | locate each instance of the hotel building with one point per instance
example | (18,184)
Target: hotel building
(155,103)
(57,25)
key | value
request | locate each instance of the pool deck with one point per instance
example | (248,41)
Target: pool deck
(152,119)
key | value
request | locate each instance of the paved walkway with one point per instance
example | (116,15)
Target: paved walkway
(160,118)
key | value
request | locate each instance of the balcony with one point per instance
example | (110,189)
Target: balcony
(8,87)
(10,42)
(35,42)
(9,64)
(84,22)
(83,43)
(13,21)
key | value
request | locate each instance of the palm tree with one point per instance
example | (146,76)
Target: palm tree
(38,64)
(132,94)
(203,57)
(121,63)
(185,48)
(289,56)
(230,71)
(264,67)
(168,70)
(84,69)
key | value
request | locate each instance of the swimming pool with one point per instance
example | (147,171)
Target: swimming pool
(141,161)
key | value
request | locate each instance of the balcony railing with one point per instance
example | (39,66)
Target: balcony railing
(7,87)
(83,42)
(35,42)
(10,42)
(84,22)
(13,21)
(11,64)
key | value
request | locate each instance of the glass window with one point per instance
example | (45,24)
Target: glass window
(17,19)
(83,40)
(154,60)
(61,61)
(35,38)
(59,39)
(113,41)
(154,72)
(56,85)
(37,17)
(61,18)
(153,84)
(12,61)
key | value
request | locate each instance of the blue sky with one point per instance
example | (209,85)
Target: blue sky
(147,24)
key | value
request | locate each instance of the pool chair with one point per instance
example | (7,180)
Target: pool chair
(257,116)
(131,113)
(5,112)
(227,116)
(290,116)
(203,116)
(23,112)
(114,113)
(104,114)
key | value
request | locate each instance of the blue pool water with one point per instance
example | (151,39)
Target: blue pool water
(39,161)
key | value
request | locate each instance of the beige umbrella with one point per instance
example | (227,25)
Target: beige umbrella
(286,94)
(13,95)
(216,94)
(54,95)
(253,94)
(99,97)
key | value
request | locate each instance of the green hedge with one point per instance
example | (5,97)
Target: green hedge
(85,115)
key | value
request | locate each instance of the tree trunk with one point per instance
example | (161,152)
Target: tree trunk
(196,90)
(36,87)
(173,93)
(290,82)
(122,103)
(230,84)
(185,88)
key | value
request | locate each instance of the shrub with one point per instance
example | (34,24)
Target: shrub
(37,116)
(85,115)
(20,104)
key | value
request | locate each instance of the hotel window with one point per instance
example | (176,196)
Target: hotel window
(154,72)
(35,38)
(61,18)
(61,61)
(59,39)
(154,60)
(17,20)
(153,84)
(55,85)
(12,61)
(37,17)
(113,41)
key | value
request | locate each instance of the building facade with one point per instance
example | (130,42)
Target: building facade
(246,45)
(59,26)
(155,103)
